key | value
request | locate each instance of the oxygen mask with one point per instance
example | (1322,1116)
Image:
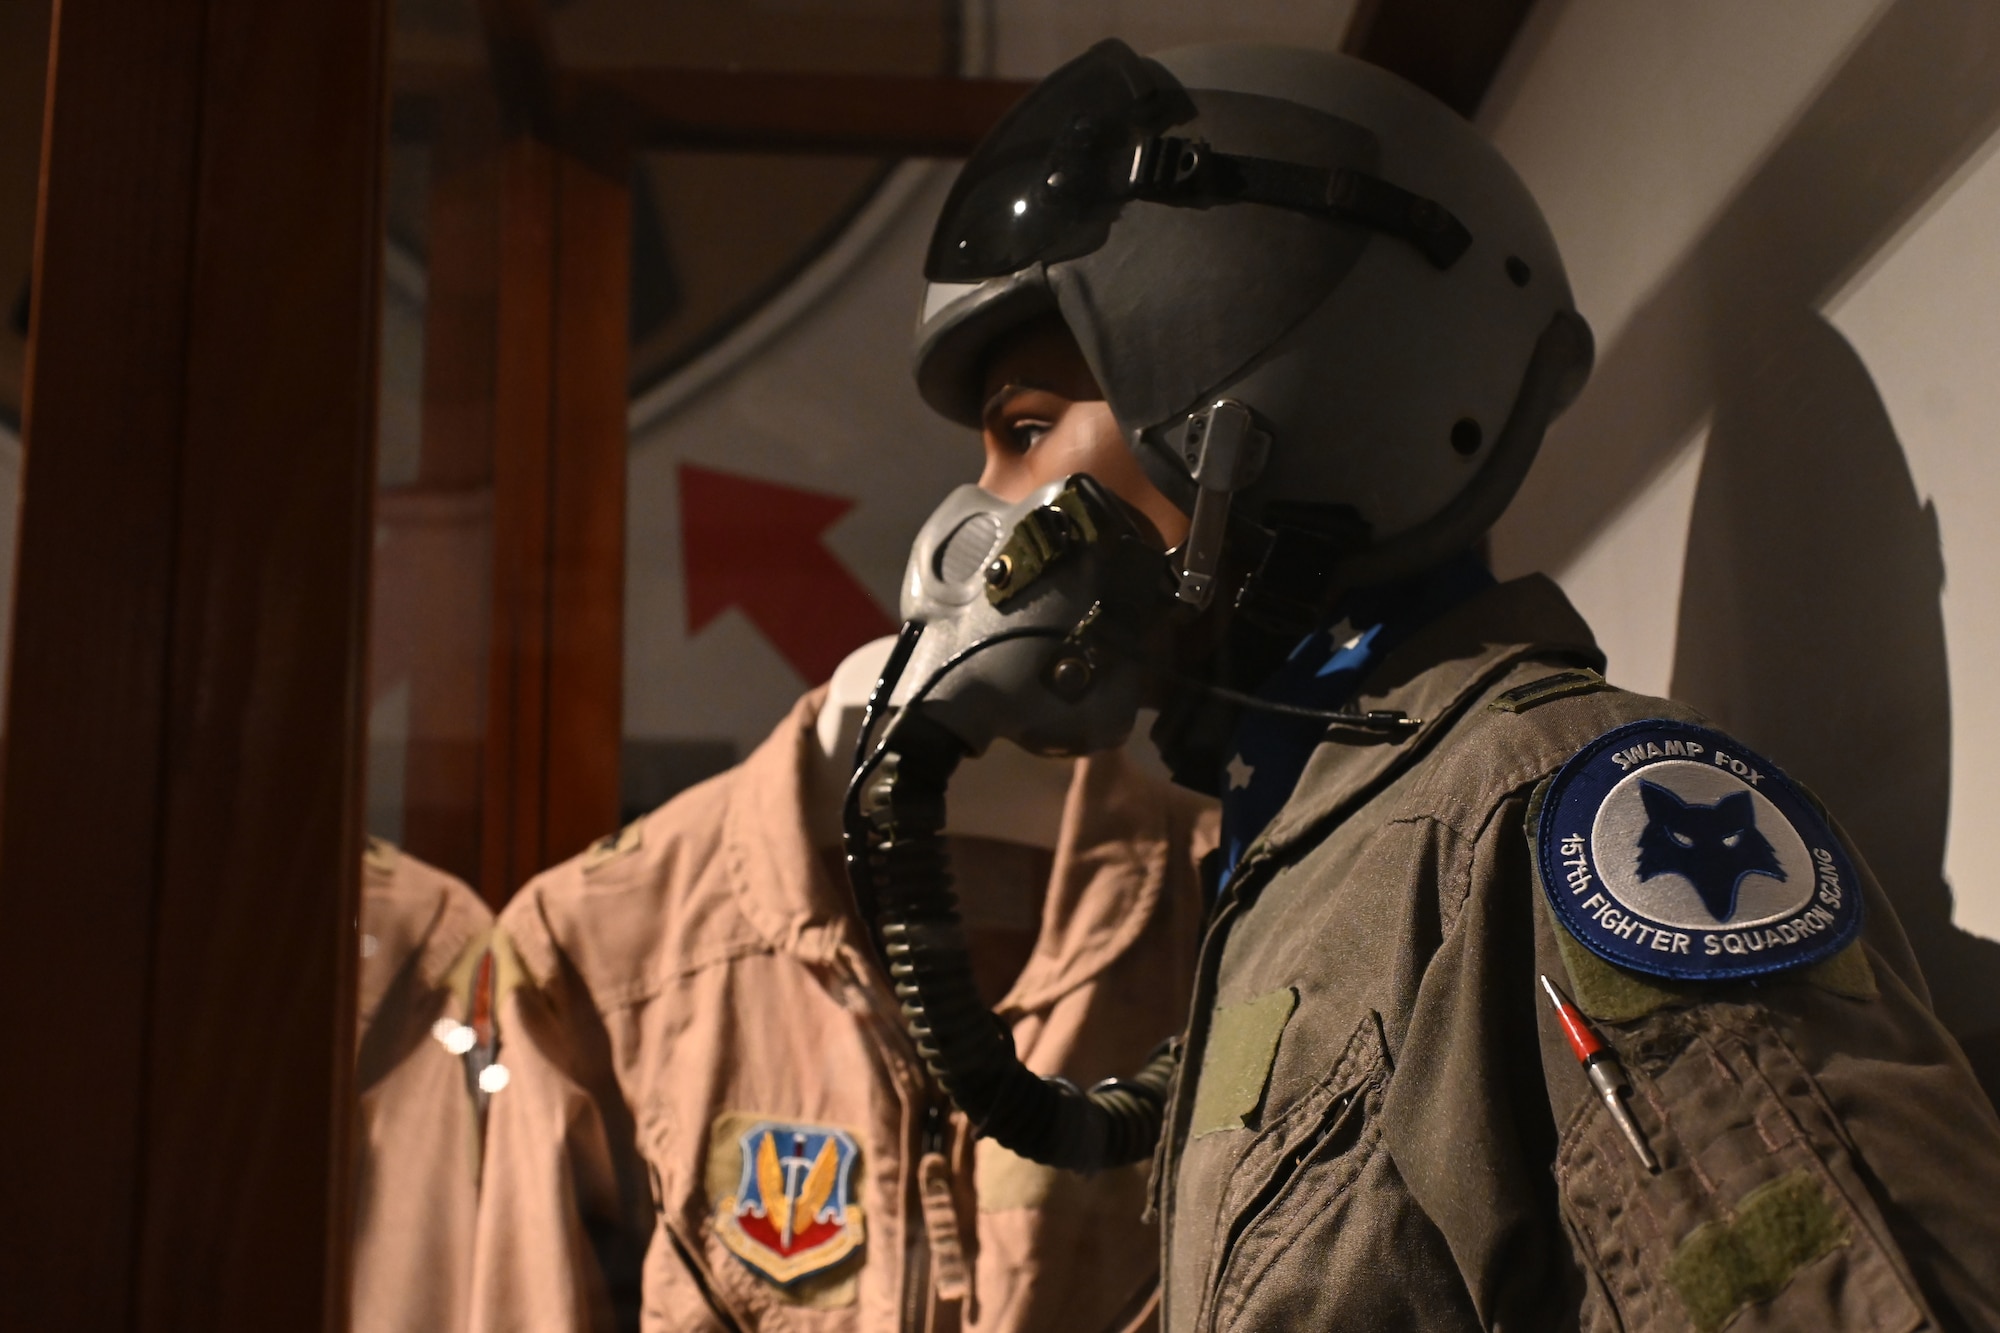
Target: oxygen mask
(1034,618)
(1028,622)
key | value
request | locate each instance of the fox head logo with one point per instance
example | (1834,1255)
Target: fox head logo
(1714,847)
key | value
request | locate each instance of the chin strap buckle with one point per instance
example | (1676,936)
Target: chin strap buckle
(1225,450)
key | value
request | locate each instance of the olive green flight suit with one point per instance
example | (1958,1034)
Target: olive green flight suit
(1379,1127)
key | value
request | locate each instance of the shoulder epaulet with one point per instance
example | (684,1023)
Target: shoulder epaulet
(1561,685)
(612,846)
(1673,851)
(379,855)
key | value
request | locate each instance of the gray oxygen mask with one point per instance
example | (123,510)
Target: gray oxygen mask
(1027,622)
(1037,617)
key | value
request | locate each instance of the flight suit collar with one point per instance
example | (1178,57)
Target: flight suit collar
(1107,884)
(1432,678)
(411,911)
(781,887)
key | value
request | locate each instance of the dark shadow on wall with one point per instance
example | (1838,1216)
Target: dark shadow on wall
(1810,618)
(1811,626)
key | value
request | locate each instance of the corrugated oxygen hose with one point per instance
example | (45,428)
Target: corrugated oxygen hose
(902,878)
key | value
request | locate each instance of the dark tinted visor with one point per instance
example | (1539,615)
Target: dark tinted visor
(1047,181)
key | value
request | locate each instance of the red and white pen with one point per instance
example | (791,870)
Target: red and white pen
(1600,1063)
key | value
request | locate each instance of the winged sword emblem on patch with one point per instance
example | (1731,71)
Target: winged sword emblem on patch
(793,1213)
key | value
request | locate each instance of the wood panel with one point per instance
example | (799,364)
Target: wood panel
(1450,48)
(178,859)
(79,840)
(662,107)
(587,444)
(434,618)
(554,704)
(24,58)
(854,114)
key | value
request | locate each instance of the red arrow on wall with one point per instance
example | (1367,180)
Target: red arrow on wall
(756,546)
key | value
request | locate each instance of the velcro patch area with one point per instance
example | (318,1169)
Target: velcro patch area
(1778,1228)
(1236,1063)
(1559,686)
(612,846)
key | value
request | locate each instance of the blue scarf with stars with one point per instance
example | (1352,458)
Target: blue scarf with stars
(1323,672)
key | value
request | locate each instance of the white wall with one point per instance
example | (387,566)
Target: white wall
(1777,499)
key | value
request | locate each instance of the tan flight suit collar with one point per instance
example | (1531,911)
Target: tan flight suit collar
(780,885)
(1432,677)
(410,915)
(1106,885)
(1110,871)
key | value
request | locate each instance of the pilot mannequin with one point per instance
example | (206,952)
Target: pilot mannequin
(1526,1002)
(714,1119)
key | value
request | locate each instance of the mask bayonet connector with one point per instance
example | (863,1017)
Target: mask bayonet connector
(1225,451)
(1044,538)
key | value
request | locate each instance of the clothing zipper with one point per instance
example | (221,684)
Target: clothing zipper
(1208,965)
(936,1125)
(900,1053)
(686,1255)
(932,1121)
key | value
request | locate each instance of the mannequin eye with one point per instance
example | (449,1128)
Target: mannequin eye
(1026,433)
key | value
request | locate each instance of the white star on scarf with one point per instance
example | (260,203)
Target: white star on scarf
(1240,773)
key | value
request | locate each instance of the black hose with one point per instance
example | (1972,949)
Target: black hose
(896,857)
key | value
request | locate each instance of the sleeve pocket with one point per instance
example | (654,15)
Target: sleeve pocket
(1758,1218)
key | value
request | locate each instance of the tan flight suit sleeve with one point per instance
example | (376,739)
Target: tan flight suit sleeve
(549,1204)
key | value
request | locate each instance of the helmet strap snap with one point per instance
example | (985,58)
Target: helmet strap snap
(1225,450)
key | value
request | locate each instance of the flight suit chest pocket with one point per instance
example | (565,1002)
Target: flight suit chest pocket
(1294,1178)
(1758,1218)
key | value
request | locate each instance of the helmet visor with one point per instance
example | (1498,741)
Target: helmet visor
(1047,181)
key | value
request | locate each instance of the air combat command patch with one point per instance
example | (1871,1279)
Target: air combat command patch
(1671,850)
(794,1213)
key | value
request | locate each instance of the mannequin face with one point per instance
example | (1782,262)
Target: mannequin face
(1045,418)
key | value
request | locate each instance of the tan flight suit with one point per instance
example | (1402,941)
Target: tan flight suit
(417,1132)
(704,972)
(1379,1126)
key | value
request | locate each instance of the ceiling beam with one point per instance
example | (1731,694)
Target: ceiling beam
(520,54)
(745,111)
(874,114)
(1449,48)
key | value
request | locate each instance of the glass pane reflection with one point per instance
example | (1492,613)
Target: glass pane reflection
(462,692)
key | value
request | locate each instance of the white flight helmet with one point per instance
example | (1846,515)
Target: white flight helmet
(1321,306)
